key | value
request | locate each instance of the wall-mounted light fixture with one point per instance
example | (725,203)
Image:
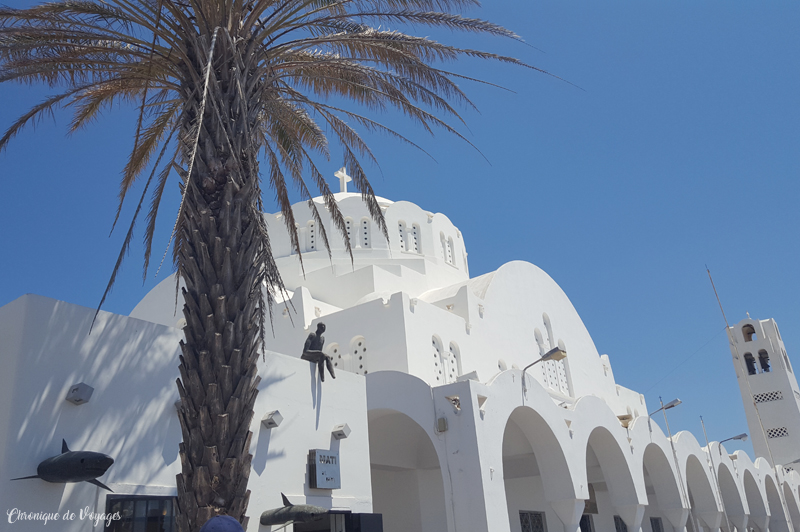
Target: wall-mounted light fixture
(79,393)
(272,419)
(341,431)
(557,353)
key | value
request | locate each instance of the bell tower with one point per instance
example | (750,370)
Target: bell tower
(769,390)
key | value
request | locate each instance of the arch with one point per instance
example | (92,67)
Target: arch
(700,491)
(451,255)
(438,372)
(407,482)
(758,511)
(604,453)
(537,334)
(349,226)
(333,351)
(365,239)
(749,333)
(401,228)
(416,239)
(750,362)
(666,494)
(530,443)
(311,236)
(763,360)
(550,338)
(731,496)
(791,502)
(358,356)
(535,469)
(453,363)
(777,520)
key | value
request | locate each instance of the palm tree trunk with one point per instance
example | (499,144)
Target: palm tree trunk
(218,246)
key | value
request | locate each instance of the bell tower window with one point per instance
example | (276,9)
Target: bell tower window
(749,333)
(763,360)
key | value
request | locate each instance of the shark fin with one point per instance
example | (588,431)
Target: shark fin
(23,478)
(64,448)
(99,484)
(286,501)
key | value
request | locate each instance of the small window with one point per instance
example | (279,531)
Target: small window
(656,525)
(586,523)
(416,234)
(141,513)
(749,333)
(619,524)
(401,228)
(532,521)
(351,234)
(311,236)
(750,362)
(763,360)
(365,233)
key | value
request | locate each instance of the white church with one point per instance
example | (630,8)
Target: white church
(459,404)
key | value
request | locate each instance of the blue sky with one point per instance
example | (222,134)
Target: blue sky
(679,150)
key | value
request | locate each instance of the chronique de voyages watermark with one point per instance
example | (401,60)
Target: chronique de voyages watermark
(85,514)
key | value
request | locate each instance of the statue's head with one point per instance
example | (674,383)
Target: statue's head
(320,328)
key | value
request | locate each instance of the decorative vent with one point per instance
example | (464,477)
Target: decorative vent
(768,396)
(780,432)
(532,521)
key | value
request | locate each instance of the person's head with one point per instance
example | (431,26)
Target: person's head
(320,328)
(222,523)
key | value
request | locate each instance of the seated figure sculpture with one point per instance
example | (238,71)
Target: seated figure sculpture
(312,351)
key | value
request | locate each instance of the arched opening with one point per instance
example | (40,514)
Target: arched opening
(401,229)
(777,520)
(732,500)
(351,231)
(702,500)
(535,472)
(763,360)
(791,502)
(357,360)
(451,255)
(758,512)
(407,485)
(311,236)
(365,230)
(663,495)
(416,239)
(609,476)
(750,362)
(453,366)
(749,333)
(439,375)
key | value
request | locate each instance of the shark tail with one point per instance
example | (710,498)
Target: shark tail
(23,478)
(64,448)
(285,500)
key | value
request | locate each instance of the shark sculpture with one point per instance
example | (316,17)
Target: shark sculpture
(299,513)
(73,466)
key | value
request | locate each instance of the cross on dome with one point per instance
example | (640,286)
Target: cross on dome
(341,173)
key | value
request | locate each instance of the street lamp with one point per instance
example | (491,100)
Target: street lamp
(557,353)
(671,404)
(740,437)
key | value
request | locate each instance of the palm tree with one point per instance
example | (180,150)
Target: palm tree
(222,86)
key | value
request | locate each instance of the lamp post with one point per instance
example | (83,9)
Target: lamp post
(740,437)
(557,353)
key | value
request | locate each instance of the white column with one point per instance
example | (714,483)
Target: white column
(570,512)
